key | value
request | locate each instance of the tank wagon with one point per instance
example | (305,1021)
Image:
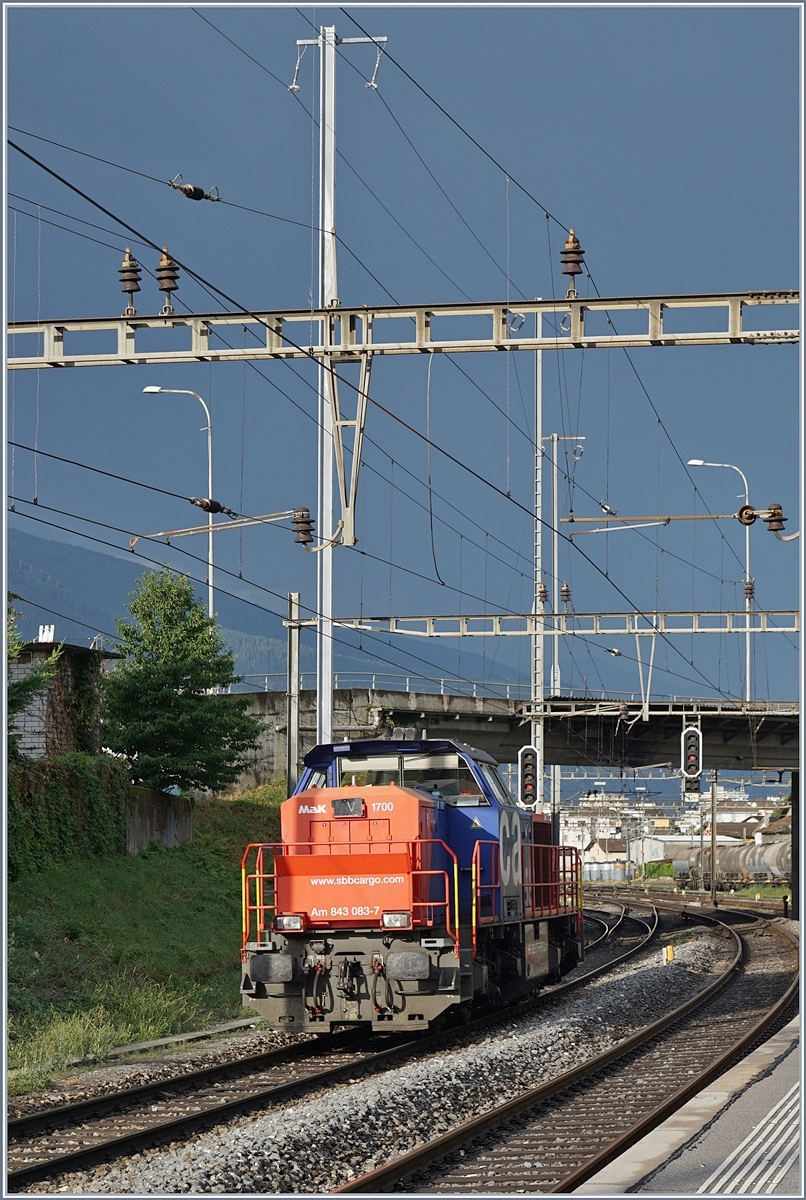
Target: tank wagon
(407,884)
(743,863)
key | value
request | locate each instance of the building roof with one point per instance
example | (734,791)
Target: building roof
(609,845)
(68,647)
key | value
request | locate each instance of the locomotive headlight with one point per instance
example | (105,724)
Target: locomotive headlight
(398,920)
(288,923)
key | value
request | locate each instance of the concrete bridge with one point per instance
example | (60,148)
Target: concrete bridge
(579,731)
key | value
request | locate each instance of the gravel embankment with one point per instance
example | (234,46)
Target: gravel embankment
(320,1142)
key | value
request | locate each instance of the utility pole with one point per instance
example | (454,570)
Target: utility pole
(713,837)
(328,292)
(293,690)
(556,771)
(538,658)
(327,43)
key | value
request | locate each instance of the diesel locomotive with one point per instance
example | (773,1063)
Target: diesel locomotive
(407,884)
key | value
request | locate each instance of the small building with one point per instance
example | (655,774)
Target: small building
(609,850)
(66,716)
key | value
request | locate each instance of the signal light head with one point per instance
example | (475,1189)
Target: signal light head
(528,775)
(691,754)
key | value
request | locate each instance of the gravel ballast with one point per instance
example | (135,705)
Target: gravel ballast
(322,1141)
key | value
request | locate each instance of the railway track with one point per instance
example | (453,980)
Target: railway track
(553,1138)
(55,1141)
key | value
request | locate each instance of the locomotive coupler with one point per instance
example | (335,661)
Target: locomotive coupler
(346,979)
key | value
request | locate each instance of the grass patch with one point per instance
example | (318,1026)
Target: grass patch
(660,869)
(767,891)
(109,951)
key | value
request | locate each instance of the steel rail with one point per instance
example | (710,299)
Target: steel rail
(382,1177)
(683,1094)
(606,929)
(188,1123)
(732,904)
(139,1139)
(96,1106)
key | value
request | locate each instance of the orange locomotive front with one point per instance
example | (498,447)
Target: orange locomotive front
(406,883)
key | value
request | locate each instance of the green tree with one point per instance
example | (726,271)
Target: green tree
(23,690)
(161,709)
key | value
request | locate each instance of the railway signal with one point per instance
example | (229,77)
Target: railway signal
(528,776)
(691,758)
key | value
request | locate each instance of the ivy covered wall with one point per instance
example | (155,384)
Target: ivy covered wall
(71,806)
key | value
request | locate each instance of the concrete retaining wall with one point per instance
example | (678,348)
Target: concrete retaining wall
(156,817)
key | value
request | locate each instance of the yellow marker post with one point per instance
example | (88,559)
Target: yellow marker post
(670,954)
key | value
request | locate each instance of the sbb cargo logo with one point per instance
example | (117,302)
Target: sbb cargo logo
(312,808)
(509,833)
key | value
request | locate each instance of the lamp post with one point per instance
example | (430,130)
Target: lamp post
(748,583)
(152,391)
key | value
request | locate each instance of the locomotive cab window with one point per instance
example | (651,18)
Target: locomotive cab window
(495,783)
(365,771)
(445,777)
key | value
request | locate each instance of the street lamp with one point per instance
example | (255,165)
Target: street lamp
(153,391)
(748,582)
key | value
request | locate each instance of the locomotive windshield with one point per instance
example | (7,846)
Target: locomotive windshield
(444,776)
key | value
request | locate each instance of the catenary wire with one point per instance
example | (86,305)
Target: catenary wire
(375,403)
(98,471)
(422,161)
(386,562)
(232,595)
(74,620)
(262,608)
(347,248)
(461,128)
(368,466)
(370,440)
(548,214)
(107,162)
(344,159)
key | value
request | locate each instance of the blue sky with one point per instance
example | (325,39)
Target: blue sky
(668,137)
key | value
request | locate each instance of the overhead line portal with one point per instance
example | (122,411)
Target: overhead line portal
(351,334)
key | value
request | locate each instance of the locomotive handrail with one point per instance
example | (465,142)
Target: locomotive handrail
(562,879)
(477,887)
(334,849)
